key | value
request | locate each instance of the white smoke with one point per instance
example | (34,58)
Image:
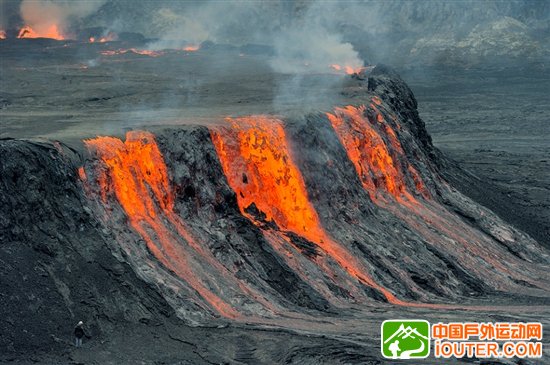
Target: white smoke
(305,36)
(191,23)
(179,30)
(304,50)
(312,43)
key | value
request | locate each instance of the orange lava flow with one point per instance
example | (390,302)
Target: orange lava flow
(349,70)
(107,38)
(369,153)
(191,48)
(136,172)
(52,32)
(3,34)
(256,159)
(257,164)
(146,52)
(82,174)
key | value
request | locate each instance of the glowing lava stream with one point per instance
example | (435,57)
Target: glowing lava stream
(138,175)
(106,38)
(191,48)
(257,162)
(377,169)
(349,70)
(380,174)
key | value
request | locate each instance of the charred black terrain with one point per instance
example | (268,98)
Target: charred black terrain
(249,239)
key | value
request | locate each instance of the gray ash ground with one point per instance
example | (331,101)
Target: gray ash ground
(62,262)
(495,124)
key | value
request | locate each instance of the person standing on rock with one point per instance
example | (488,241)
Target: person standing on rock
(78,334)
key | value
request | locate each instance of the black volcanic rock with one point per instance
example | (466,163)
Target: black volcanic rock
(57,265)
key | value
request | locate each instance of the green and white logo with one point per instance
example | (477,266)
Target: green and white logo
(405,339)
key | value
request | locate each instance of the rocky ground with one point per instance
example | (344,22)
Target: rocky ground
(495,124)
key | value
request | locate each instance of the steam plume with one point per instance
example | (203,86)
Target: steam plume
(313,44)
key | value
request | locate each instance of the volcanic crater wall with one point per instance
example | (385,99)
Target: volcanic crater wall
(258,217)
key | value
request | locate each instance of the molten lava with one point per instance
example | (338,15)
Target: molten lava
(349,70)
(378,171)
(146,52)
(257,161)
(107,38)
(136,172)
(3,34)
(263,168)
(191,48)
(51,31)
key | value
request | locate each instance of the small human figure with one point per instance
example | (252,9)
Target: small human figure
(394,348)
(78,334)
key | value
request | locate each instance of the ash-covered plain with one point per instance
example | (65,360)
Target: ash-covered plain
(198,207)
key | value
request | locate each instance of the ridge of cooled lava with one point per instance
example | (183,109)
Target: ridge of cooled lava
(272,175)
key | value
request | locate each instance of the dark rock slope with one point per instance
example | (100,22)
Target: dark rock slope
(57,267)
